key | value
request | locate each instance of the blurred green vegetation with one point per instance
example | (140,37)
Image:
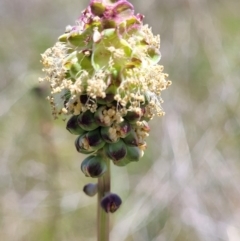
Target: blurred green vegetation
(187,185)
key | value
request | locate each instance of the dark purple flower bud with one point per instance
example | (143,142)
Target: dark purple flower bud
(90,189)
(131,139)
(109,134)
(73,127)
(86,99)
(116,151)
(86,121)
(134,154)
(89,142)
(82,145)
(147,114)
(94,166)
(94,139)
(111,202)
(133,116)
(124,129)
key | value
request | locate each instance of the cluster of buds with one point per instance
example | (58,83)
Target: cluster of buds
(103,72)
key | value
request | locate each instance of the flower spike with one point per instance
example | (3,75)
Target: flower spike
(104,74)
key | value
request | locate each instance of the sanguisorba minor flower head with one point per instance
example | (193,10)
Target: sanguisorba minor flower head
(104,73)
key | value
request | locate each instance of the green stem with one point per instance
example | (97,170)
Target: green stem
(104,186)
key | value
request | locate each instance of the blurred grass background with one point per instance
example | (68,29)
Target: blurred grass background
(187,186)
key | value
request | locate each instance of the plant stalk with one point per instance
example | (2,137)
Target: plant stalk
(104,186)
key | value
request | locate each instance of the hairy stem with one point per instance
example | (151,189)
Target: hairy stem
(104,186)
